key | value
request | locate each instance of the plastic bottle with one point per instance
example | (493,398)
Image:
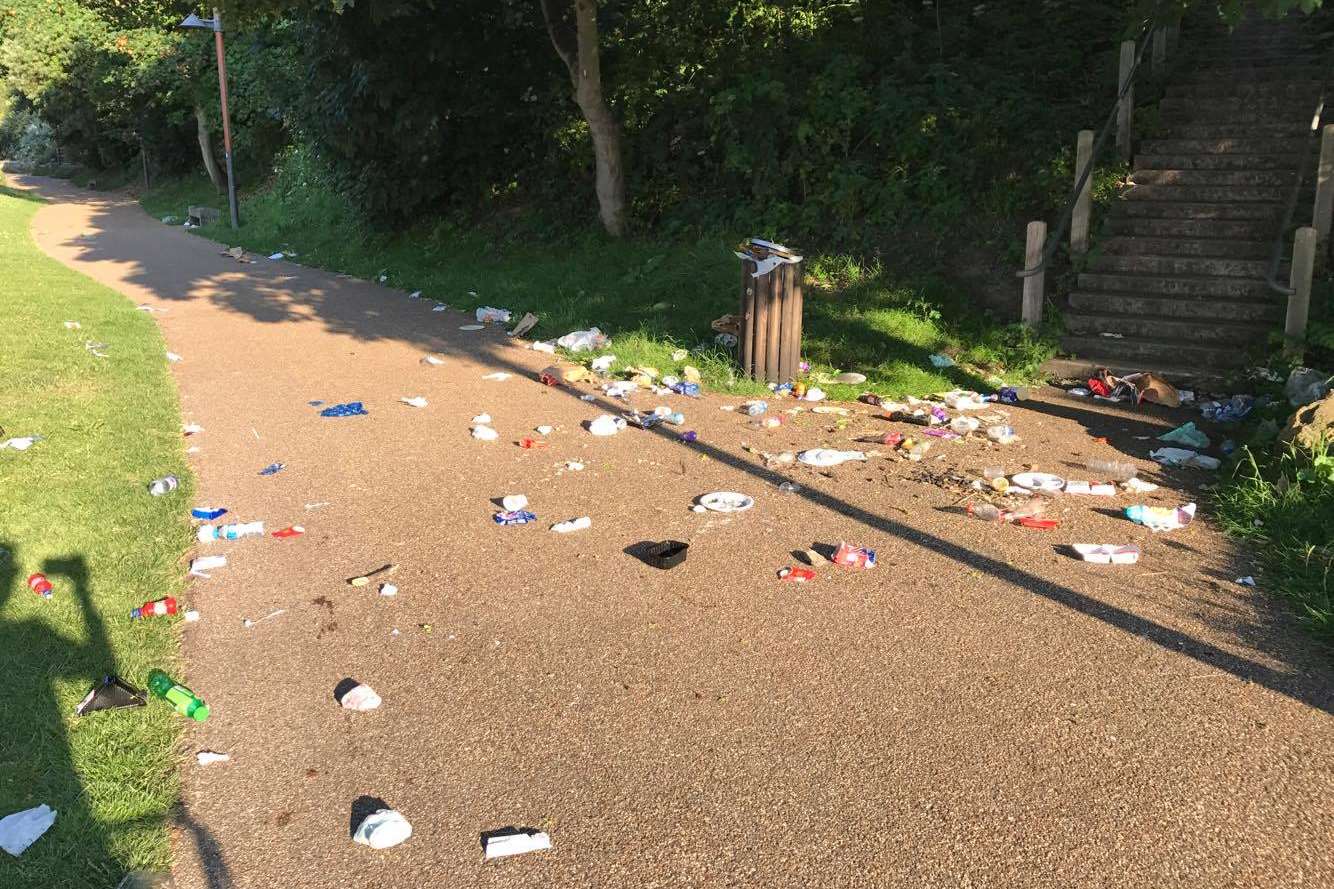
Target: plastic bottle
(995,476)
(918,451)
(1009,395)
(985,511)
(39,585)
(755,408)
(234,531)
(158,608)
(1030,510)
(964,425)
(164,485)
(676,418)
(1112,469)
(182,700)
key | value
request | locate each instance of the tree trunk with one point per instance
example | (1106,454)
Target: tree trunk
(206,149)
(579,51)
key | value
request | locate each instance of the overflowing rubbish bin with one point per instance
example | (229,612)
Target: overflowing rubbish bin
(770,319)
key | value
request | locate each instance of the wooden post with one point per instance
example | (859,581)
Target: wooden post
(1160,51)
(774,338)
(1127,103)
(759,347)
(1079,221)
(794,328)
(1299,303)
(746,327)
(1324,185)
(1034,285)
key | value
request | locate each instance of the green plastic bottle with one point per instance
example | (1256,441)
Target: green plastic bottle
(184,701)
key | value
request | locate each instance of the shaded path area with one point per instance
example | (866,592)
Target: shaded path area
(980,710)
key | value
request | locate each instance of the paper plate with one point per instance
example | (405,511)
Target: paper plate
(726,501)
(472,327)
(1038,481)
(1107,553)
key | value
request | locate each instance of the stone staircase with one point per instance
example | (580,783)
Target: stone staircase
(1178,274)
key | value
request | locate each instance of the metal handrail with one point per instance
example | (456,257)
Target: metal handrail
(1054,240)
(1280,239)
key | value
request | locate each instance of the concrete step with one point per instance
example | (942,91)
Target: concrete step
(1208,193)
(1195,308)
(1167,285)
(1221,130)
(1243,114)
(1212,266)
(1189,73)
(1198,331)
(1225,145)
(1277,61)
(1223,107)
(1122,245)
(1214,177)
(1268,213)
(1223,161)
(1282,91)
(1185,229)
(1147,354)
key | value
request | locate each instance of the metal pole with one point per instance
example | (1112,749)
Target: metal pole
(226,118)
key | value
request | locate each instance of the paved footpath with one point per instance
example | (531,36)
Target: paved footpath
(981,710)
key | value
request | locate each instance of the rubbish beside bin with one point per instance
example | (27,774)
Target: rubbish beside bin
(770,311)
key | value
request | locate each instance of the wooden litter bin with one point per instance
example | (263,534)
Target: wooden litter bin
(770,332)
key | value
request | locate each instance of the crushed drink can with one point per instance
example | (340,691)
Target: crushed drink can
(855,557)
(164,485)
(514,517)
(40,585)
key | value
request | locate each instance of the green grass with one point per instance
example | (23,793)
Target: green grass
(76,507)
(1283,502)
(652,298)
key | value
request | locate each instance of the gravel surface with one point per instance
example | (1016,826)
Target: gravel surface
(981,710)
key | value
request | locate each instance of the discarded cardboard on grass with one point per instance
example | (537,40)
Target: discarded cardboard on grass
(526,323)
(112,693)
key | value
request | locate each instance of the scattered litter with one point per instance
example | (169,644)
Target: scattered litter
(208,757)
(278,255)
(184,701)
(206,563)
(1078,392)
(1107,553)
(574,466)
(850,379)
(544,430)
(498,376)
(320,504)
(233,531)
(1138,486)
(416,294)
(189,429)
(583,340)
(1038,481)
(482,419)
(529,443)
(1188,435)
(350,409)
(824,457)
(679,354)
(173,358)
(1161,518)
(814,394)
(164,485)
(726,501)
(1304,386)
(942,361)
(472,327)
(1183,457)
(20,444)
(606,425)
(248,623)
(414,401)
(961,400)
(485,433)
(96,349)
(383,829)
(514,517)
(579,524)
(112,693)
(602,363)
(517,843)
(236,252)
(689,437)
(440,308)
(526,323)
(388,589)
(290,531)
(854,557)
(1112,336)
(155,608)
(360,698)
(191,616)
(490,315)
(513,502)
(363,579)
(432,361)
(21,829)
(38,583)
(831,409)
(963,425)
(667,554)
(73,325)
(538,346)
(1098,490)
(796,573)
(1246,581)
(1235,408)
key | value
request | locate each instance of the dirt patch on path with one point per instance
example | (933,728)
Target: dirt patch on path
(980,710)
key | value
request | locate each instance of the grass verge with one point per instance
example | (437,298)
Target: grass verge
(652,298)
(76,507)
(1283,502)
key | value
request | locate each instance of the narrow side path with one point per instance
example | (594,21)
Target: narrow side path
(979,710)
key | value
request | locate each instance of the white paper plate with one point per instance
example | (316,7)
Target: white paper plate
(726,501)
(1038,481)
(1108,553)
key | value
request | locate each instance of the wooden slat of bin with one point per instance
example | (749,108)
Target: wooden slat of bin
(747,313)
(774,338)
(759,347)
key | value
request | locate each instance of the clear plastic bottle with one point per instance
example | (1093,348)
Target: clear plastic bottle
(1112,469)
(986,512)
(234,531)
